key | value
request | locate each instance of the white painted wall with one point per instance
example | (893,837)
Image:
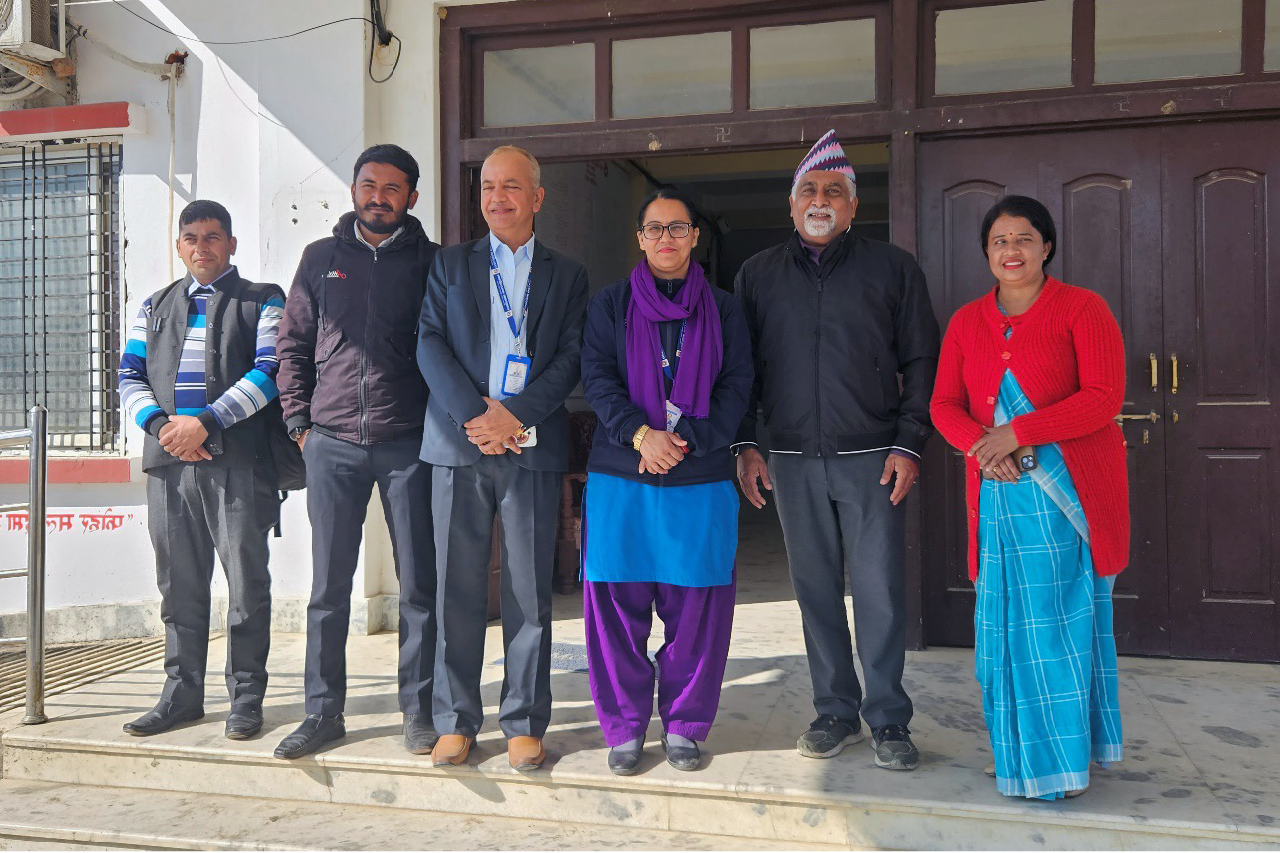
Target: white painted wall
(271,131)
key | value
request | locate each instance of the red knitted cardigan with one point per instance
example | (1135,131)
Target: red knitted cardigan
(1068,355)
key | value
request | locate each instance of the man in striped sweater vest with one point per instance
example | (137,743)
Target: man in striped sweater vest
(198,377)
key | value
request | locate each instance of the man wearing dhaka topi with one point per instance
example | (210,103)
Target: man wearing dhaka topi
(846,346)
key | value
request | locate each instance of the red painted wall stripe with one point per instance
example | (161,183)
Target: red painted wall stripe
(70,120)
(66,471)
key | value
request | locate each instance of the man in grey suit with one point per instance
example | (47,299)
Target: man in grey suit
(498,343)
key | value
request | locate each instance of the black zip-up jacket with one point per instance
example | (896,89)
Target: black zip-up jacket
(830,340)
(349,336)
(604,384)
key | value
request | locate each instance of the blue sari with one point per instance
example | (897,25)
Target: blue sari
(1045,651)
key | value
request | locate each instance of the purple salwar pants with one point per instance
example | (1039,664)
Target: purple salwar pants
(697,624)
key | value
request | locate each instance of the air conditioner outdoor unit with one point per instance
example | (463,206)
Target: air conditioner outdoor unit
(27,30)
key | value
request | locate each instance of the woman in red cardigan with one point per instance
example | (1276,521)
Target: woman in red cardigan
(1030,379)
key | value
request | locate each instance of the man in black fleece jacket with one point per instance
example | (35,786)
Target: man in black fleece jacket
(835,319)
(354,400)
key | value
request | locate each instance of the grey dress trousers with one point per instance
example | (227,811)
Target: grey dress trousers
(837,519)
(194,510)
(341,476)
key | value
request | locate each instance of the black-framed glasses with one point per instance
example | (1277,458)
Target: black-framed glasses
(653,231)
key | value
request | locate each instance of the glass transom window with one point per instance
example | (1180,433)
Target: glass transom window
(1139,40)
(1003,48)
(540,85)
(1271,58)
(813,64)
(672,76)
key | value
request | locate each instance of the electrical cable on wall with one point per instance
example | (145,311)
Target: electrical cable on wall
(382,36)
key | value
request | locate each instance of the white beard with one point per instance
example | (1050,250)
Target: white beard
(818,227)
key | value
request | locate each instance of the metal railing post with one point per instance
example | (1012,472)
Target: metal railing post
(37,512)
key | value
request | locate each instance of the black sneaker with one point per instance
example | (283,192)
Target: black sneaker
(894,749)
(828,735)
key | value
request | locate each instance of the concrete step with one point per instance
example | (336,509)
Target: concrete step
(661,808)
(45,815)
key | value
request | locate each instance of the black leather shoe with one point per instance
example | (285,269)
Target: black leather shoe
(314,733)
(624,762)
(419,733)
(682,757)
(164,716)
(244,721)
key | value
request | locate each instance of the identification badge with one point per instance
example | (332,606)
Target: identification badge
(673,416)
(513,378)
(527,437)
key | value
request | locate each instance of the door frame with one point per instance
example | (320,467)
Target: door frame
(903,115)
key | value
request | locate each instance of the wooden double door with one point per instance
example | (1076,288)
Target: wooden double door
(1178,227)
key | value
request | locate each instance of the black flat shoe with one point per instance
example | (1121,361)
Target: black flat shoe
(682,757)
(163,717)
(419,734)
(244,722)
(314,733)
(624,762)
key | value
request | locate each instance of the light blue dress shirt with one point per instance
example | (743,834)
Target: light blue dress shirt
(514,269)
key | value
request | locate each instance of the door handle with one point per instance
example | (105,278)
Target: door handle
(1149,416)
(1173,389)
(1155,373)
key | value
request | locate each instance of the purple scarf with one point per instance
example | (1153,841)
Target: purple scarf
(700,358)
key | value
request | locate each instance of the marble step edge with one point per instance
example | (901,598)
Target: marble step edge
(281,818)
(740,792)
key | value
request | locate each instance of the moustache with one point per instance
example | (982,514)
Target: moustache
(381,207)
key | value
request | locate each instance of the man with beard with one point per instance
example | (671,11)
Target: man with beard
(835,319)
(354,401)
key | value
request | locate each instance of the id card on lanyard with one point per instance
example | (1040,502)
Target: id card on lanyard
(673,411)
(516,370)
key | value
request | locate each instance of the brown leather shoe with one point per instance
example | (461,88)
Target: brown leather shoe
(525,753)
(451,750)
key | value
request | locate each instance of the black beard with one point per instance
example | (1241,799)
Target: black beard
(373,226)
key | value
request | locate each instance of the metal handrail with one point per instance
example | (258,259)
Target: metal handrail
(36,437)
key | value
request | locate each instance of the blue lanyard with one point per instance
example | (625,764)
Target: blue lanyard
(666,362)
(506,300)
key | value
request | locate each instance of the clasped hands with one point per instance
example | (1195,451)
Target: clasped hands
(661,451)
(994,452)
(494,432)
(184,436)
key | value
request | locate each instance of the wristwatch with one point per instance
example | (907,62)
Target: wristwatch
(296,432)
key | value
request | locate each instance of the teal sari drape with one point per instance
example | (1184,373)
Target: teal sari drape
(1045,652)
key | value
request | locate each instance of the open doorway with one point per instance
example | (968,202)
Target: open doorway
(590,215)
(591,206)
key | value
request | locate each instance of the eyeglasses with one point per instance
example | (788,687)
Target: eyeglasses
(653,231)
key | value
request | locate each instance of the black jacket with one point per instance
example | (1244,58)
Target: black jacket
(829,342)
(349,333)
(604,366)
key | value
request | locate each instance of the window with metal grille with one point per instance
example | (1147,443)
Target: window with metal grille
(60,290)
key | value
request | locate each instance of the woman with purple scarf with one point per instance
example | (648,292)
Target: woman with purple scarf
(666,364)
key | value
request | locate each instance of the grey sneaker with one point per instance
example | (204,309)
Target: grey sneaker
(894,749)
(828,735)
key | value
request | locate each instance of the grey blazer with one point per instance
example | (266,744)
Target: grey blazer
(453,353)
